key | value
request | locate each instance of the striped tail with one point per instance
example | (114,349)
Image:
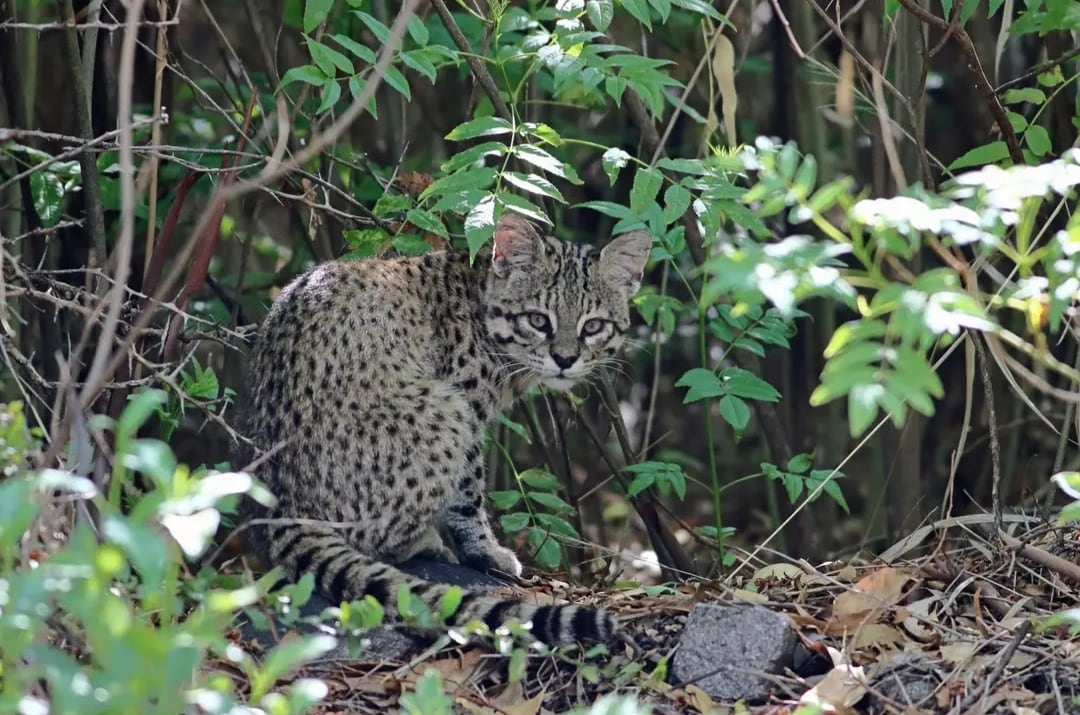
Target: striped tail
(342,573)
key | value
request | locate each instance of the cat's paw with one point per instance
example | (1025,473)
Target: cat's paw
(494,558)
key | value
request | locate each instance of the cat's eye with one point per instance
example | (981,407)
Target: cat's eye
(592,326)
(539,321)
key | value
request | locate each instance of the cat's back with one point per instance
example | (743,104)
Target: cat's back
(344,325)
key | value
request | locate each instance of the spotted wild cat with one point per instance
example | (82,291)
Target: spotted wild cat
(376,380)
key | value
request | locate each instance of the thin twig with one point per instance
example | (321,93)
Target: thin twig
(982,83)
(126,81)
(336,130)
(476,65)
(787,29)
(995,444)
(95,214)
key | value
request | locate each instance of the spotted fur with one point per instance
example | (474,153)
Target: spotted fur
(376,379)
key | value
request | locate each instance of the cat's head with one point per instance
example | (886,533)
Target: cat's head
(559,309)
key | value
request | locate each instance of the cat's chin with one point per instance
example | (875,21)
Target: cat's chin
(562,384)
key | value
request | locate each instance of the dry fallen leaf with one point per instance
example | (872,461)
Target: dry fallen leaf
(779,572)
(919,622)
(840,689)
(868,599)
(700,699)
(878,636)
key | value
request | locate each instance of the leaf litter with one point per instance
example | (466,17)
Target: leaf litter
(972,628)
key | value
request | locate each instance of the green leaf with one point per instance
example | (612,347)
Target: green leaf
(381,31)
(640,10)
(863,401)
(395,79)
(640,482)
(365,242)
(548,553)
(985,154)
(391,205)
(309,74)
(799,463)
(746,384)
(676,200)
(480,127)
(735,412)
(327,58)
(504,500)
(315,11)
(1038,140)
(832,488)
(362,52)
(516,667)
(473,156)
(409,244)
(543,160)
(600,13)
(1034,95)
(450,602)
(356,87)
(480,225)
(418,61)
(524,207)
(331,93)
(701,7)
(539,479)
(461,181)
(702,383)
(48,193)
(556,525)
(513,523)
(417,30)
(613,160)
(138,410)
(662,7)
(533,184)
(427,221)
(608,209)
(551,501)
(1068,482)
(287,656)
(647,183)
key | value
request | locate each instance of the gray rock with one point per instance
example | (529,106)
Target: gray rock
(389,642)
(908,679)
(728,650)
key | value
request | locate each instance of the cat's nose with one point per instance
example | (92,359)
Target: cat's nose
(564,361)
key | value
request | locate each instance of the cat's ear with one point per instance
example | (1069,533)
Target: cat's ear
(623,260)
(517,243)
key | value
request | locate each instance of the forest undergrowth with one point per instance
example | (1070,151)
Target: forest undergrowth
(851,396)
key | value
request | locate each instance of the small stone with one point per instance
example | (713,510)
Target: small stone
(728,650)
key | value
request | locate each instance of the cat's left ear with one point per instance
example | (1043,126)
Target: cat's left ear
(623,259)
(516,243)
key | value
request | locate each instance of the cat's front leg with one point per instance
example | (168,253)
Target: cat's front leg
(466,520)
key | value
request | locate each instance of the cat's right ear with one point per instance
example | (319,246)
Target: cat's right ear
(517,243)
